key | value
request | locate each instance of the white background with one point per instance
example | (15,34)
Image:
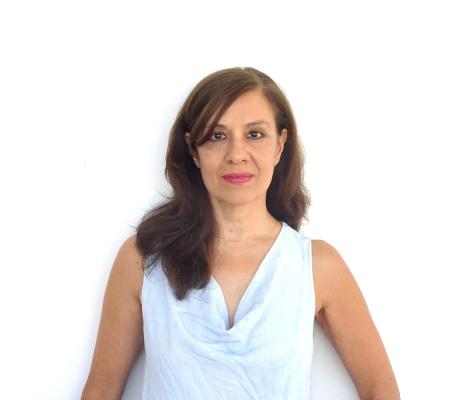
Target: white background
(88,93)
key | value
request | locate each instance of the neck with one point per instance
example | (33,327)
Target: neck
(242,231)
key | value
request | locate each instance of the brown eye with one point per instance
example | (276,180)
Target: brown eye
(215,135)
(257,132)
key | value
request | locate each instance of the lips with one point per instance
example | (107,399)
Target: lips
(238,175)
(238,178)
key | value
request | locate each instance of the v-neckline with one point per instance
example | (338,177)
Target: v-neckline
(253,280)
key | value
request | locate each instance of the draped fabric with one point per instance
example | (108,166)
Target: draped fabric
(191,353)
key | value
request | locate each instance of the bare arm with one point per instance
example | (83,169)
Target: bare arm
(120,334)
(346,320)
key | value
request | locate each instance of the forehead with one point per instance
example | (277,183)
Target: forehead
(258,122)
(249,109)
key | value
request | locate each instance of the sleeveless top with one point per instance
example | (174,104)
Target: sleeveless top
(192,354)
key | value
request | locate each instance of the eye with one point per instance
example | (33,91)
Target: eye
(257,132)
(217,133)
(214,135)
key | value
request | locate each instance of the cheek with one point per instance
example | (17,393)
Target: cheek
(209,170)
(265,161)
(260,159)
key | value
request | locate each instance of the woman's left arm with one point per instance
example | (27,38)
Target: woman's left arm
(346,320)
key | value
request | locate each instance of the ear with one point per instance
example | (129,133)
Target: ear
(187,137)
(281,140)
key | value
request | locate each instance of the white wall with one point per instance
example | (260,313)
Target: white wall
(88,93)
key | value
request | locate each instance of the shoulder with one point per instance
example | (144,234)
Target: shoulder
(129,263)
(346,321)
(129,250)
(329,269)
(323,252)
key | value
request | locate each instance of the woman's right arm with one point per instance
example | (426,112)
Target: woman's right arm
(120,332)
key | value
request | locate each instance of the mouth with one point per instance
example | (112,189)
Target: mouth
(238,175)
(237,178)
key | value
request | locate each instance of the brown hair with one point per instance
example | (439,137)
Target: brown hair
(180,230)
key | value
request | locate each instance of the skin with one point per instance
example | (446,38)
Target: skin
(240,210)
(242,218)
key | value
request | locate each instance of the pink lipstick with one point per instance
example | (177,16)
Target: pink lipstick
(238,178)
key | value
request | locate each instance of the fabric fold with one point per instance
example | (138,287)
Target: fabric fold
(191,354)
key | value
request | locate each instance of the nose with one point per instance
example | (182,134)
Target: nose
(236,151)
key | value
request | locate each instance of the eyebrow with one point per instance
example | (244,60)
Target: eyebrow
(257,122)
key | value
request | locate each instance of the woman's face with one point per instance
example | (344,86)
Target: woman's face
(244,141)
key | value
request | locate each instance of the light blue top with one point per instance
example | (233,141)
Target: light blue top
(191,354)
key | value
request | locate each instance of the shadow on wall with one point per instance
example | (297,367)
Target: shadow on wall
(136,378)
(329,380)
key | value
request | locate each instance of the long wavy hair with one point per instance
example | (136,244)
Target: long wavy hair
(180,230)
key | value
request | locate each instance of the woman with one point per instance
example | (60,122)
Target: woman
(227,303)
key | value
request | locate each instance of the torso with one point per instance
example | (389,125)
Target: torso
(233,270)
(234,267)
